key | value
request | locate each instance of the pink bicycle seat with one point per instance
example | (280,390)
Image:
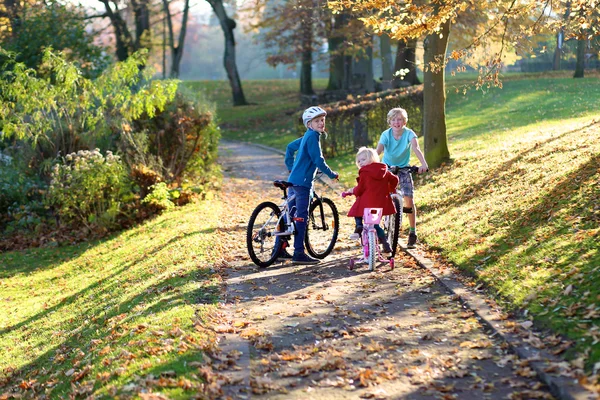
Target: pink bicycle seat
(372,215)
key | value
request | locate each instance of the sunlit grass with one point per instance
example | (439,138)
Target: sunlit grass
(101,314)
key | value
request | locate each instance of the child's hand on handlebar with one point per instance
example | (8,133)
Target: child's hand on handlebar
(423,169)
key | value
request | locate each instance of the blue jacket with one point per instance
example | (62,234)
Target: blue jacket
(309,158)
(290,150)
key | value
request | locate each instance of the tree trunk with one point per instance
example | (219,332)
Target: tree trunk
(386,61)
(123,39)
(143,34)
(580,65)
(406,59)
(347,77)
(306,87)
(557,52)
(176,50)
(336,56)
(434,95)
(228,25)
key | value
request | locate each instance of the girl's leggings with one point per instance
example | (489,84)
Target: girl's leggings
(380,232)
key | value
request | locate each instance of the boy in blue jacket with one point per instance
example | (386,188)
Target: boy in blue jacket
(308,159)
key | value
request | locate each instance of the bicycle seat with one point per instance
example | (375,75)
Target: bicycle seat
(282,184)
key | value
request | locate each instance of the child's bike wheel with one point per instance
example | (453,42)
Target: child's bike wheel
(391,264)
(372,256)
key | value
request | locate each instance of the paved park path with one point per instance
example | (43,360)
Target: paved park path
(326,332)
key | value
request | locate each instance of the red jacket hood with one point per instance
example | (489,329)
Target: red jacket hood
(373,171)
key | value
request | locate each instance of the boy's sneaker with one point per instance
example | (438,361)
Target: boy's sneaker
(385,248)
(412,240)
(303,259)
(357,233)
(283,255)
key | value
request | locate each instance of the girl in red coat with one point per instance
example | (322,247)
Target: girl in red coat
(375,183)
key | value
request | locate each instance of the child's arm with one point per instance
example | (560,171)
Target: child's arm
(315,153)
(290,151)
(417,150)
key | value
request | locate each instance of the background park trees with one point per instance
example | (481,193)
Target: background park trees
(514,23)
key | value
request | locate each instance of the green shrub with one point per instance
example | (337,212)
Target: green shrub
(87,188)
(70,112)
(16,188)
(159,197)
(183,138)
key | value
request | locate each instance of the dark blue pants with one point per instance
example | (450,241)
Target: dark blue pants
(301,218)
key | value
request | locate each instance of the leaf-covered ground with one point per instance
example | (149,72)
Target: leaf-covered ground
(327,332)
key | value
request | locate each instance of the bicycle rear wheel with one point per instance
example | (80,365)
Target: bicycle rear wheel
(392,226)
(322,228)
(259,234)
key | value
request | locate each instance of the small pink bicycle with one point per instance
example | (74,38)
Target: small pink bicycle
(370,242)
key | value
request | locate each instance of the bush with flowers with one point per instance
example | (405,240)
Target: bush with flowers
(88,188)
(162,139)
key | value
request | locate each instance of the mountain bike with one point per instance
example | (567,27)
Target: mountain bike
(370,242)
(393,223)
(269,220)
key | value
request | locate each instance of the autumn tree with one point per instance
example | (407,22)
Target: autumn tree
(514,22)
(293,32)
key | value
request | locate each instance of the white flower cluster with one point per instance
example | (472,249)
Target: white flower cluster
(83,160)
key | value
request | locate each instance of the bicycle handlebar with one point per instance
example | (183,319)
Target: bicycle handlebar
(413,169)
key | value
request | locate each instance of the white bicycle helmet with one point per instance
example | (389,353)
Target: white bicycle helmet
(311,113)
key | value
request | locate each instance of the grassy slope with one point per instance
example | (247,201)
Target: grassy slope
(518,208)
(105,314)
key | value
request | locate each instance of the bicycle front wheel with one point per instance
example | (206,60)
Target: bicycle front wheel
(392,225)
(372,256)
(259,235)
(322,228)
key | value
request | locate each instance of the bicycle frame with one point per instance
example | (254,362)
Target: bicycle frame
(275,221)
(370,241)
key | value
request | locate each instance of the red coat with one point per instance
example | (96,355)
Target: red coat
(375,183)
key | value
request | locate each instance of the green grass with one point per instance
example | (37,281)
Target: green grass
(517,208)
(97,317)
(269,117)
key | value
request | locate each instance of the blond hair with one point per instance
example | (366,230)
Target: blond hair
(394,112)
(371,154)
